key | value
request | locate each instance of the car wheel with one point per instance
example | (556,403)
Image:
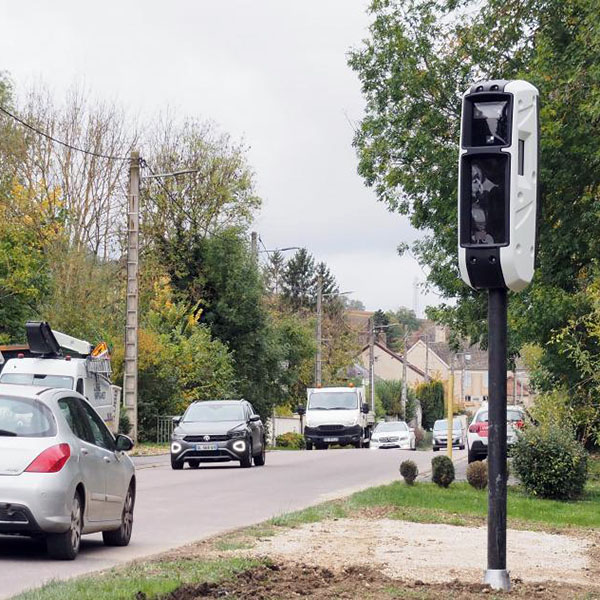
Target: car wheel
(65,546)
(176,464)
(121,536)
(194,464)
(435,449)
(259,460)
(414,445)
(309,445)
(461,447)
(472,457)
(246,461)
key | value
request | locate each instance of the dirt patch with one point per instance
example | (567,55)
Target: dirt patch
(433,553)
(285,581)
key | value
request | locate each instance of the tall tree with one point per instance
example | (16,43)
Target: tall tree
(298,284)
(273,272)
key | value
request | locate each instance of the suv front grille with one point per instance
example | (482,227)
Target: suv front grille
(201,438)
(331,427)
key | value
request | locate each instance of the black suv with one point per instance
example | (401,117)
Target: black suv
(218,431)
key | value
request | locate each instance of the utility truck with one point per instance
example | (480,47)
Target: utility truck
(337,415)
(60,361)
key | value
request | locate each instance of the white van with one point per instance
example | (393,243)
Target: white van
(53,367)
(337,415)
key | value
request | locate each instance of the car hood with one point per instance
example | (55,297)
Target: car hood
(208,428)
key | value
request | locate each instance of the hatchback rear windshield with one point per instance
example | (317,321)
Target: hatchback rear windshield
(213,411)
(511,416)
(24,417)
(53,381)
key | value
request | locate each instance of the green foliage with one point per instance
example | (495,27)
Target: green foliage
(409,470)
(550,463)
(291,439)
(124,422)
(477,474)
(389,392)
(442,471)
(431,397)
(418,59)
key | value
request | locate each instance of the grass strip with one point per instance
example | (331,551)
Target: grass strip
(141,580)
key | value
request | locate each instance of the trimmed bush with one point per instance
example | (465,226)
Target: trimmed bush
(477,474)
(442,471)
(291,439)
(550,462)
(409,470)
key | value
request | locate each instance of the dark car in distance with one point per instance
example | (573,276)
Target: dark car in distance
(218,431)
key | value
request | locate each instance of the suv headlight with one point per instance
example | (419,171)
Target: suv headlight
(237,433)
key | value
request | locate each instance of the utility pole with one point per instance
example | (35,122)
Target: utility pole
(318,372)
(130,381)
(254,244)
(372,361)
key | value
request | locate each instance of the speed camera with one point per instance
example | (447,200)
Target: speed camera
(498,172)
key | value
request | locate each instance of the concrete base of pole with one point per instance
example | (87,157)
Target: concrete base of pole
(497,579)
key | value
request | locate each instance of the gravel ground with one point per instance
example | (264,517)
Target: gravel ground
(434,553)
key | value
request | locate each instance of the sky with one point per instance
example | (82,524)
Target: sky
(272,73)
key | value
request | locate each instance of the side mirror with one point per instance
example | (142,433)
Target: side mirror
(176,421)
(254,419)
(364,408)
(301,410)
(123,442)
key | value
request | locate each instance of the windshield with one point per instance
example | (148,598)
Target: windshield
(391,426)
(22,417)
(443,425)
(512,416)
(213,411)
(53,381)
(333,400)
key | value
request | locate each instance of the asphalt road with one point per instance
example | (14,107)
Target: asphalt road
(174,508)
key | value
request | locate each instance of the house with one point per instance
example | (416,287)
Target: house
(431,353)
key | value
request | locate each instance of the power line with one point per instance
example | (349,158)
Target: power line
(57,141)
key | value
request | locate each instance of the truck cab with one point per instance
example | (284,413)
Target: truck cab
(337,415)
(86,370)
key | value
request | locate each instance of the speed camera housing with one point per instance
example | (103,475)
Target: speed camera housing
(498,171)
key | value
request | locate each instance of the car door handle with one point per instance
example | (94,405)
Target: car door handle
(85,451)
(106,459)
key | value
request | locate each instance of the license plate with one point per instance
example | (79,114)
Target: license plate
(331,439)
(206,446)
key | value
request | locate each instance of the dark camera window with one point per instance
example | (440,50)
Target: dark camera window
(490,124)
(488,199)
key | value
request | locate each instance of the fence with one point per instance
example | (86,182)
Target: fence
(164,428)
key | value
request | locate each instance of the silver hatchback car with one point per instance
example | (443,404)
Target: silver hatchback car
(62,473)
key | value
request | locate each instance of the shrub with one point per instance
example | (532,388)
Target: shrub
(409,470)
(431,397)
(291,439)
(550,462)
(442,471)
(477,474)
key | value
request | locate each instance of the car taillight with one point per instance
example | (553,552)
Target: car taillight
(51,460)
(479,428)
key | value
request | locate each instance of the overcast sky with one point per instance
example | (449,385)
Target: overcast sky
(270,72)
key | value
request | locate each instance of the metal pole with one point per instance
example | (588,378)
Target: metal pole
(372,362)
(318,372)
(462,381)
(131,325)
(450,418)
(404,384)
(496,574)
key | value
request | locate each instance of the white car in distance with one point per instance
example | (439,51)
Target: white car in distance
(393,434)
